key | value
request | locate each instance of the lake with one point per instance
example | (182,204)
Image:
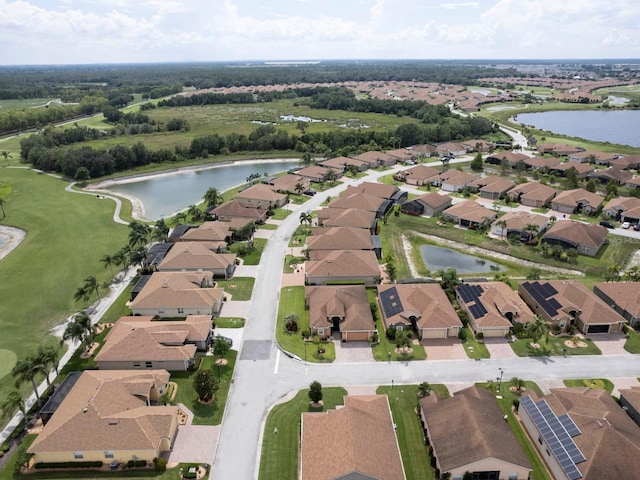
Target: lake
(615,126)
(441,258)
(165,195)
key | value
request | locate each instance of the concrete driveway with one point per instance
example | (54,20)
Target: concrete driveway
(352,352)
(195,444)
(610,343)
(499,348)
(444,349)
(235,308)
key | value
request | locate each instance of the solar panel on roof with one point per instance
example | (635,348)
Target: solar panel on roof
(465,292)
(391,303)
(548,290)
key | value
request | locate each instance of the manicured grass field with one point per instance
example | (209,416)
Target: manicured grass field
(119,308)
(279,458)
(67,234)
(291,260)
(240,288)
(506,403)
(292,301)
(473,348)
(229,322)
(253,257)
(280,214)
(554,346)
(595,383)
(632,345)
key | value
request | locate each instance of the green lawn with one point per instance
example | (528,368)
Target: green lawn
(554,346)
(280,214)
(595,383)
(292,301)
(473,348)
(229,322)
(415,456)
(299,237)
(253,257)
(240,288)
(205,414)
(291,260)
(67,234)
(279,458)
(267,226)
(506,403)
(632,345)
(119,308)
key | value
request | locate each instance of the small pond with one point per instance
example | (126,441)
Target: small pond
(442,258)
(294,118)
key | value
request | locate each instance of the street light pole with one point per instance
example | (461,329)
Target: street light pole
(500,378)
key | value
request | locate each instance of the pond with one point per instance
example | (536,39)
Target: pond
(615,126)
(165,195)
(442,258)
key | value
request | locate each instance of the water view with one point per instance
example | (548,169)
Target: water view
(441,258)
(164,196)
(615,126)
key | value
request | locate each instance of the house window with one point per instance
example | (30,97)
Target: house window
(513,476)
(148,364)
(180,310)
(108,454)
(78,455)
(457,477)
(161,312)
(321,331)
(540,440)
(548,452)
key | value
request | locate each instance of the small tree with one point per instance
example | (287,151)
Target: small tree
(518,383)
(291,322)
(476,163)
(315,392)
(424,390)
(220,346)
(205,384)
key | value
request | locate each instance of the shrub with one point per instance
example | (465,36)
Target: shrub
(160,464)
(462,335)
(479,336)
(516,403)
(136,463)
(391,333)
(44,465)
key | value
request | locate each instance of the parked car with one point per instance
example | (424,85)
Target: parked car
(310,192)
(606,224)
(636,227)
(625,225)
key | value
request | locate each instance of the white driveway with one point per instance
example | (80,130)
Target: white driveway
(499,348)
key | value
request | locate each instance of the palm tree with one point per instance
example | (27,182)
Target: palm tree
(299,188)
(180,216)
(212,197)
(91,285)
(120,259)
(403,339)
(502,224)
(424,390)
(108,261)
(79,329)
(2,202)
(160,231)
(331,176)
(6,156)
(518,383)
(12,402)
(306,217)
(194,212)
(49,355)
(532,230)
(538,329)
(553,219)
(139,233)
(25,371)
(81,294)
(138,255)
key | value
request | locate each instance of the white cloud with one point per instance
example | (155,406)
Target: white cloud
(454,5)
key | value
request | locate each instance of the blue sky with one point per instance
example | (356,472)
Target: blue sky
(98,31)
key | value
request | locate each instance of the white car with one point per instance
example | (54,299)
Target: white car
(625,225)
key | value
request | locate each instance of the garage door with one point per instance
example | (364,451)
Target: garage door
(598,329)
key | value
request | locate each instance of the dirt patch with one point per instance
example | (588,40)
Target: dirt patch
(222,361)
(570,344)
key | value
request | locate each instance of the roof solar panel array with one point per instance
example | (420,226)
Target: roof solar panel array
(471,293)
(541,293)
(391,303)
(557,433)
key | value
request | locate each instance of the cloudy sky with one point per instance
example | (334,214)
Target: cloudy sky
(111,31)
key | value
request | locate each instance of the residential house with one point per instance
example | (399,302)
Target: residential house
(532,194)
(512,158)
(429,204)
(343,163)
(586,238)
(582,169)
(178,294)
(626,163)
(178,231)
(620,177)
(559,149)
(342,238)
(404,154)
(467,433)
(108,416)
(623,297)
(592,156)
(342,266)
(519,223)
(198,257)
(582,433)
(260,196)
(348,217)
(289,183)
(142,343)
(453,149)
(617,207)
(375,158)
(422,307)
(157,252)
(566,303)
(315,173)
(492,307)
(453,180)
(219,232)
(578,200)
(630,402)
(362,438)
(492,187)
(418,175)
(340,309)
(424,150)
(233,210)
(477,145)
(469,214)
(633,183)
(380,190)
(362,201)
(541,163)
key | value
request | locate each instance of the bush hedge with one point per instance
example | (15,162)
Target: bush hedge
(42,465)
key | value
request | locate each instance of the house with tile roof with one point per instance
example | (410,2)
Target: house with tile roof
(467,433)
(144,343)
(362,439)
(425,150)
(214,231)
(422,307)
(620,177)
(532,194)
(177,294)
(586,238)
(289,183)
(362,201)
(107,416)
(342,238)
(469,214)
(419,175)
(623,297)
(342,163)
(260,196)
(340,309)
(381,190)
(512,158)
(618,206)
(583,433)
(626,163)
(493,187)
(453,180)
(492,307)
(630,402)
(558,149)
(541,163)
(578,200)
(342,266)
(454,149)
(375,158)
(592,156)
(348,217)
(429,204)
(403,154)
(582,169)
(198,257)
(316,173)
(233,210)
(569,302)
(516,223)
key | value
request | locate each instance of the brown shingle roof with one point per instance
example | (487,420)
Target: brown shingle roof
(626,295)
(349,303)
(469,428)
(581,168)
(380,190)
(511,157)
(577,233)
(209,232)
(360,201)
(621,204)
(615,174)
(433,199)
(374,156)
(288,182)
(178,289)
(519,220)
(470,211)
(261,192)
(499,300)
(107,410)
(340,162)
(360,438)
(420,172)
(343,263)
(339,238)
(232,208)
(541,162)
(533,191)
(196,255)
(346,217)
(492,184)
(579,195)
